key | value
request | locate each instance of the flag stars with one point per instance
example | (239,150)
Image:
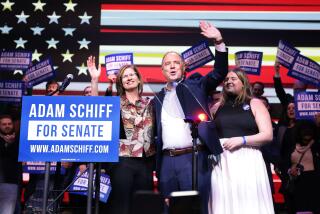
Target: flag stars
(52,43)
(5,29)
(20,42)
(7,5)
(70,6)
(85,18)
(53,18)
(84,43)
(22,17)
(67,56)
(82,69)
(37,30)
(68,31)
(39,5)
(36,55)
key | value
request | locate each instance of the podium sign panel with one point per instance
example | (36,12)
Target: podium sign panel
(70,128)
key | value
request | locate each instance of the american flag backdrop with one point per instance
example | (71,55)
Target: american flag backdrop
(67,31)
(149,28)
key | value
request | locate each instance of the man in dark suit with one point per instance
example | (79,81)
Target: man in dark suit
(185,98)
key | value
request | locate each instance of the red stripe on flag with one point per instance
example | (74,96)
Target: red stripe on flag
(238,7)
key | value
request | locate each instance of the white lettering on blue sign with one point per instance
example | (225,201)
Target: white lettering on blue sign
(70,130)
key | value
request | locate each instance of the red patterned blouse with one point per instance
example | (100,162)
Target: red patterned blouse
(138,125)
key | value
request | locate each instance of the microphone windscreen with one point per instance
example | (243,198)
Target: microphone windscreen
(70,76)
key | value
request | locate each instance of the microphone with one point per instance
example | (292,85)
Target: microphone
(65,82)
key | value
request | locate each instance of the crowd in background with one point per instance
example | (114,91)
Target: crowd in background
(292,146)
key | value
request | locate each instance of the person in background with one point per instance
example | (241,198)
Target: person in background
(285,135)
(257,89)
(10,169)
(185,98)
(303,166)
(214,103)
(87,91)
(134,170)
(52,88)
(243,125)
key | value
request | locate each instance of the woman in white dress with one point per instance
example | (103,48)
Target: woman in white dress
(239,183)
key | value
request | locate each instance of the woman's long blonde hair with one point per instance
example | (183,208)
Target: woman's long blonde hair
(119,85)
(245,95)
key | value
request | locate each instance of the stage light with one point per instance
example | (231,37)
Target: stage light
(202,117)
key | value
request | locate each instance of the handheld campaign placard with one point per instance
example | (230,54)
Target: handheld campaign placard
(15,60)
(80,185)
(115,61)
(306,70)
(307,105)
(39,168)
(69,128)
(286,54)
(39,73)
(249,61)
(197,56)
(11,91)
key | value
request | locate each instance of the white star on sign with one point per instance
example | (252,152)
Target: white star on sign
(52,43)
(82,69)
(22,17)
(70,5)
(68,31)
(5,29)
(36,55)
(84,43)
(7,5)
(39,5)
(67,56)
(37,30)
(53,18)
(85,18)
(20,42)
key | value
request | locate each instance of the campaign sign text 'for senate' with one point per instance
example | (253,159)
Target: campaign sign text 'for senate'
(11,91)
(197,56)
(69,128)
(305,70)
(307,105)
(249,61)
(286,54)
(15,60)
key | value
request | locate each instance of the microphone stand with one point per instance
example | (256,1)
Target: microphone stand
(46,176)
(47,171)
(195,134)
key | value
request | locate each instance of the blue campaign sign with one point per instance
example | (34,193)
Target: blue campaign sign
(39,168)
(306,70)
(197,56)
(80,185)
(249,61)
(115,61)
(70,129)
(39,73)
(307,104)
(15,60)
(11,91)
(286,54)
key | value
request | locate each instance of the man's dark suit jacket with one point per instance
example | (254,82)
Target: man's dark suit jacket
(192,93)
